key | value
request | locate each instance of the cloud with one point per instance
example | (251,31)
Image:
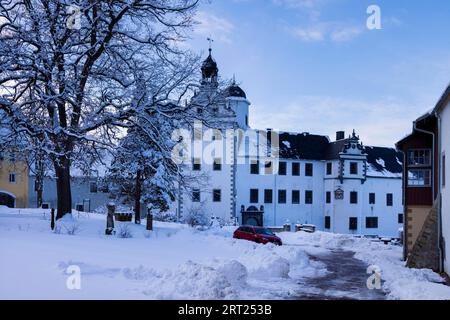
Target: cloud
(345,34)
(298,3)
(382,122)
(209,24)
(309,34)
(335,32)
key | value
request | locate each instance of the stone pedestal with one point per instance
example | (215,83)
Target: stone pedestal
(149,221)
(110,219)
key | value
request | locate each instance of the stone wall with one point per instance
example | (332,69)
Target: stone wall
(425,253)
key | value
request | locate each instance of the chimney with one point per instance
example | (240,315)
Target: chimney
(340,135)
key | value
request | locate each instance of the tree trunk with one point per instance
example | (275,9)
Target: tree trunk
(64,193)
(137,198)
(39,182)
(39,193)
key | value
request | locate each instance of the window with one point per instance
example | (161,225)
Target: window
(327,222)
(308,197)
(268,195)
(295,197)
(93,187)
(196,195)
(389,199)
(400,218)
(419,157)
(353,197)
(295,169)
(196,164)
(329,168)
(217,166)
(12,178)
(371,198)
(328,197)
(268,168)
(419,178)
(246,120)
(217,195)
(253,195)
(254,167)
(309,169)
(282,166)
(281,196)
(353,223)
(371,222)
(353,167)
(443,170)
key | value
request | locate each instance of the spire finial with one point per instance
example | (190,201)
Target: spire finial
(234,78)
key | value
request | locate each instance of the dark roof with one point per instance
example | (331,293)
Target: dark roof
(302,146)
(235,91)
(391,158)
(315,147)
(334,148)
(209,67)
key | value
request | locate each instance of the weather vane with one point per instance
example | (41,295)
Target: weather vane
(210,40)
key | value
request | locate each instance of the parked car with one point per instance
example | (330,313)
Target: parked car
(256,234)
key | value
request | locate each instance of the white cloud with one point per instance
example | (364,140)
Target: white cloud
(298,3)
(311,34)
(345,34)
(381,122)
(331,31)
(209,24)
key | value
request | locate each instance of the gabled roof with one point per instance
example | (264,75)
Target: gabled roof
(443,101)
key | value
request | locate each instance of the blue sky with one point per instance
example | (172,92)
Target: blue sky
(313,65)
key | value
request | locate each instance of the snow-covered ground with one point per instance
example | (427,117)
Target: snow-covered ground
(177,262)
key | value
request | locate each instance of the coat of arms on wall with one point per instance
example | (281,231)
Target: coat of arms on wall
(339,194)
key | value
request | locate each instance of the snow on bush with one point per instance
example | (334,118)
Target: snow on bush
(124,231)
(196,216)
(67,225)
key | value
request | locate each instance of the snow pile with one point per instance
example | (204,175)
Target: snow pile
(196,281)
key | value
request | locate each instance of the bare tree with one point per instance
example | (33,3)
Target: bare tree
(68,71)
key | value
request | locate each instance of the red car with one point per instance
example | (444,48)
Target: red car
(256,234)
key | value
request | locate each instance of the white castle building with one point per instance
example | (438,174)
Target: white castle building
(340,186)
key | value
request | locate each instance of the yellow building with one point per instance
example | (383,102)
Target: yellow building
(13,181)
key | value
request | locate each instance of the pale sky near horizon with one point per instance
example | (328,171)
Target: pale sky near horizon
(313,65)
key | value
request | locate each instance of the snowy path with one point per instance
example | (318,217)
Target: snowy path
(346,279)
